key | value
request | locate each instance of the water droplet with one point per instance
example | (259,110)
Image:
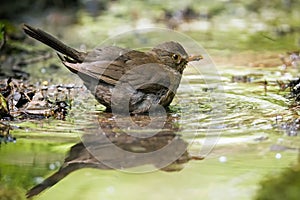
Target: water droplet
(223,159)
(38,179)
(278,156)
(52,166)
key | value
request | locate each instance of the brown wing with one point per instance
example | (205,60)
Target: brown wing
(152,77)
(109,64)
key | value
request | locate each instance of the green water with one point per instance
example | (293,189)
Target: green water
(244,152)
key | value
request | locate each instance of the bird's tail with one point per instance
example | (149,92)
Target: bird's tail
(54,43)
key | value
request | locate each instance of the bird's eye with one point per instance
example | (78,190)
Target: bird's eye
(175,57)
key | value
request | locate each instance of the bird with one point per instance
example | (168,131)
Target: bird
(124,80)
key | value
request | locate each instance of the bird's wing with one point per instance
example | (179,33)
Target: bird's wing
(108,64)
(151,77)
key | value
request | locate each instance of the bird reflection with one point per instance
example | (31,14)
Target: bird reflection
(120,142)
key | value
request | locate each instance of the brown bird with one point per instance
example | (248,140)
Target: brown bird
(124,80)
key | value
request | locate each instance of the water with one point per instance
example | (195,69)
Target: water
(237,127)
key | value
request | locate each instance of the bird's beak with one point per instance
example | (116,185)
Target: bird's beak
(194,58)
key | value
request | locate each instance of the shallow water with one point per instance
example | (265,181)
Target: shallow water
(236,126)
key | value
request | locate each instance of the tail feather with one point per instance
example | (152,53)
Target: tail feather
(53,43)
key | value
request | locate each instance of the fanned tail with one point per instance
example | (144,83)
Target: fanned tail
(54,43)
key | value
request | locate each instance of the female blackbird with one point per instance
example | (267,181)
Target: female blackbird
(121,79)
